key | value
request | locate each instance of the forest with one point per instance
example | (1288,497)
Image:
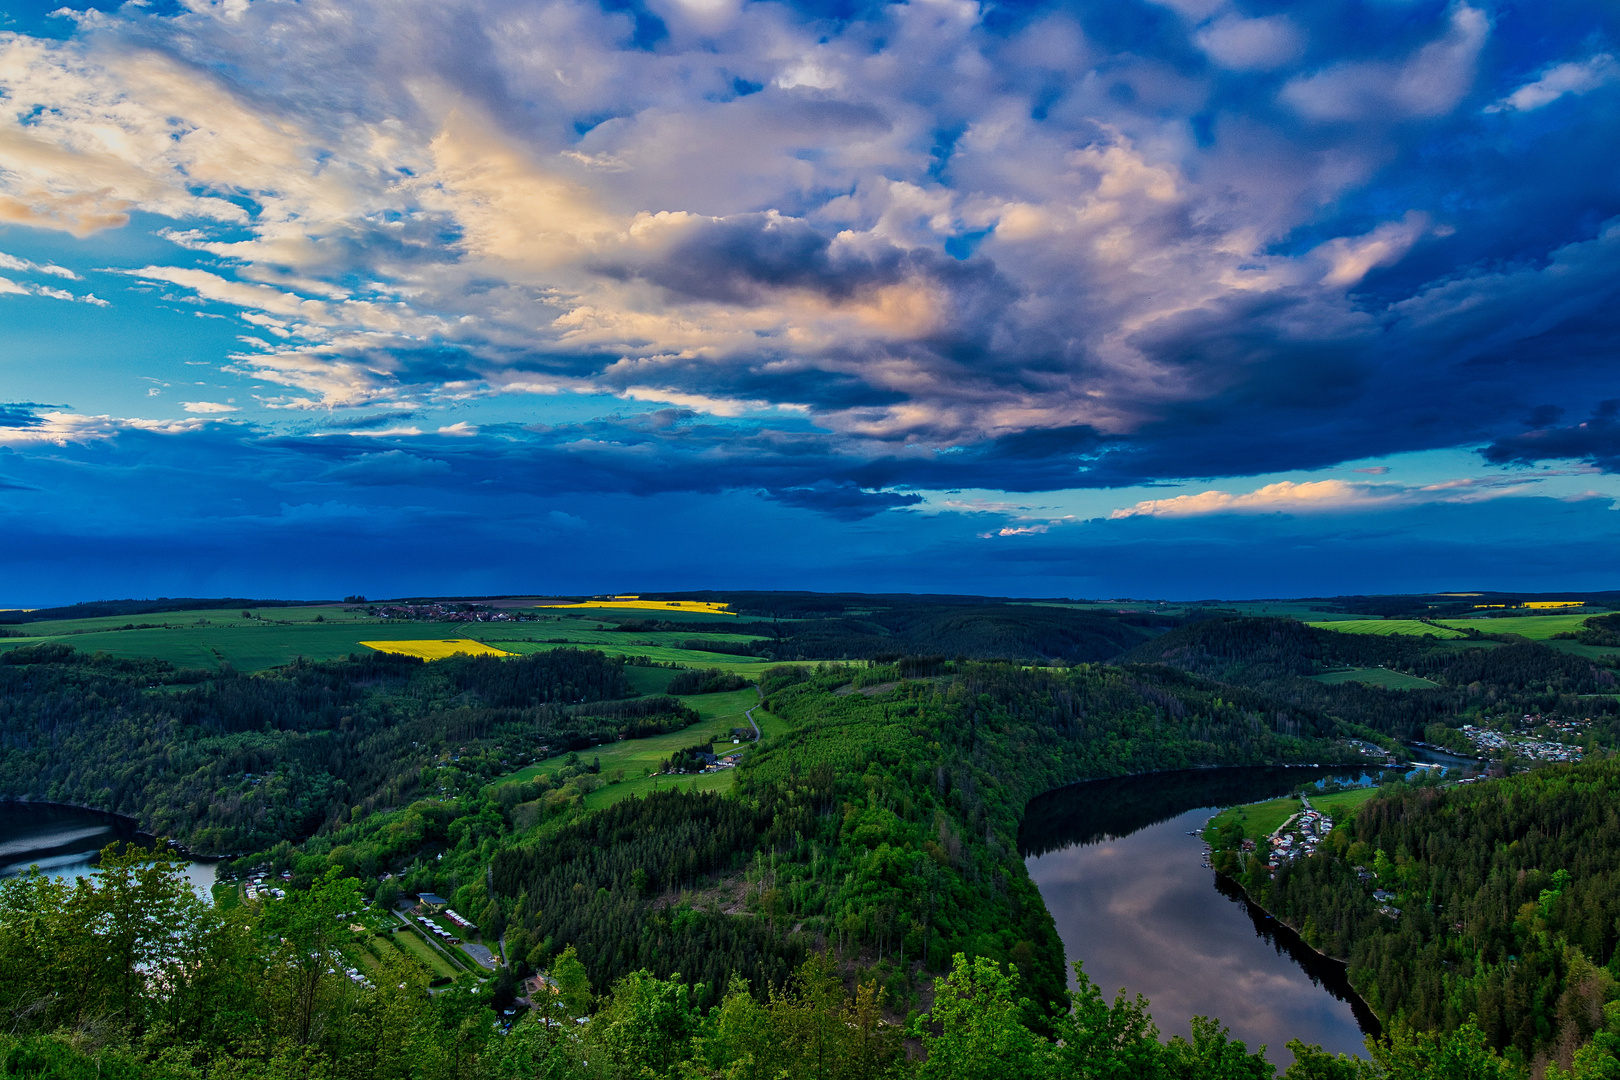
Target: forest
(227,763)
(128,974)
(1278,656)
(1506,901)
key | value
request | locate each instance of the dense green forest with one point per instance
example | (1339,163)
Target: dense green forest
(227,763)
(129,975)
(1278,656)
(1508,902)
(882,824)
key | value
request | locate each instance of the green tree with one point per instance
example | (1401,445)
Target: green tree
(648,1026)
(305,933)
(982,1035)
(1102,1042)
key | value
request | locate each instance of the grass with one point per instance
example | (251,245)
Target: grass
(1387,627)
(207,639)
(1377,676)
(646,785)
(436,649)
(1259,819)
(718,714)
(1534,627)
(410,942)
(1340,805)
(1590,652)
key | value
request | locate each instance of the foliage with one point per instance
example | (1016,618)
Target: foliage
(707,681)
(1508,895)
(228,762)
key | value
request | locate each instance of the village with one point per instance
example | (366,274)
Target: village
(1498,744)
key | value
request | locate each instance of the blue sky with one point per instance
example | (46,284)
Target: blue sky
(1196,298)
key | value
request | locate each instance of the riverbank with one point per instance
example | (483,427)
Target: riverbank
(1118,865)
(139,835)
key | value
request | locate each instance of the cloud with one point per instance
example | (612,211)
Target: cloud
(208,407)
(1429,82)
(1288,496)
(1251,44)
(1595,440)
(1285,495)
(1574,78)
(913,247)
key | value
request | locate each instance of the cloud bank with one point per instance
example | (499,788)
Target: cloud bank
(831,256)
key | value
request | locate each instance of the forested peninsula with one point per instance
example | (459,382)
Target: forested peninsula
(860,879)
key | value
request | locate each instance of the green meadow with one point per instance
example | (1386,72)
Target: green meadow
(1534,627)
(270,637)
(1340,805)
(1258,819)
(1386,627)
(718,714)
(1377,676)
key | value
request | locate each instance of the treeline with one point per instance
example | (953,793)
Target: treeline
(130,975)
(1507,893)
(976,632)
(225,762)
(706,681)
(1278,656)
(883,824)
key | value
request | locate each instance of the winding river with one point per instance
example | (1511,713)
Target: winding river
(63,841)
(1127,887)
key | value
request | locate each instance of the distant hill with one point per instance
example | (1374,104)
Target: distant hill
(92,609)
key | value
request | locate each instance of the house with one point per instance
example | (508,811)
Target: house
(432,901)
(1383,895)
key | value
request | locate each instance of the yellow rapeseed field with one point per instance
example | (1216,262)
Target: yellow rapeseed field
(651,605)
(436,650)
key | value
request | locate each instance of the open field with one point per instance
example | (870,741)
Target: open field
(1377,676)
(1534,627)
(645,785)
(640,606)
(1386,627)
(209,638)
(410,942)
(436,649)
(1259,819)
(718,713)
(1590,652)
(1340,805)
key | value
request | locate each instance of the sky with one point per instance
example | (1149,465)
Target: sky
(1099,298)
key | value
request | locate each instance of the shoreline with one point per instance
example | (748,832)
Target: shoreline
(139,832)
(1357,1003)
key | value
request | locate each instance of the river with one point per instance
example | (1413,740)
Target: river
(63,841)
(1131,897)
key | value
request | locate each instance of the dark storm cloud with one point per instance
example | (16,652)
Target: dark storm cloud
(1595,440)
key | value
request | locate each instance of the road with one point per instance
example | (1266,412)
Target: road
(750,715)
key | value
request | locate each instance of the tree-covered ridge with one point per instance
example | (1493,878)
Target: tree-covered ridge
(1508,895)
(226,763)
(1278,656)
(884,822)
(129,975)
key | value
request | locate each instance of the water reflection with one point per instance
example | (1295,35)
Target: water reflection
(63,841)
(1126,885)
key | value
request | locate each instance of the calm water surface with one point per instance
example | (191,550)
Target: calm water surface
(63,841)
(1126,885)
